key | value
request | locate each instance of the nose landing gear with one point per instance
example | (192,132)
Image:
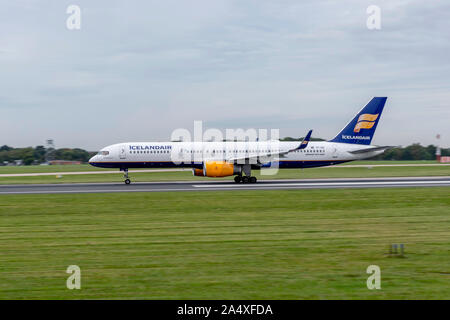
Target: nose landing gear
(125,175)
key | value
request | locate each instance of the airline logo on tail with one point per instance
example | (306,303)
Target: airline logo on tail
(365,121)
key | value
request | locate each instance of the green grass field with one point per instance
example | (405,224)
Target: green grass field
(87,167)
(292,244)
(342,171)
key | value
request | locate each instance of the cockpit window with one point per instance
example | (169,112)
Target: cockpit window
(103,153)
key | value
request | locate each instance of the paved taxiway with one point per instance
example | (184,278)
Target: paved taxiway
(226,185)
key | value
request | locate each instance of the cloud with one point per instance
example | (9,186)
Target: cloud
(137,70)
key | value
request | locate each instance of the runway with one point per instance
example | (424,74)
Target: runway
(70,173)
(173,186)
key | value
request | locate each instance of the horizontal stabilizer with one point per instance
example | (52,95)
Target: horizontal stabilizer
(367,150)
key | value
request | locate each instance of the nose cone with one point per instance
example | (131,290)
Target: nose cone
(92,160)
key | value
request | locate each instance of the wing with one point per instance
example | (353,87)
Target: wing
(262,157)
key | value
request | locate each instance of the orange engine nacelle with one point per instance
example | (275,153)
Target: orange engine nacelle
(217,169)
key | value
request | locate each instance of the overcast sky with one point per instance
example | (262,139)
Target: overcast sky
(137,70)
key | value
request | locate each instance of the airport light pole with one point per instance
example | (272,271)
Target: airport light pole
(49,152)
(438,148)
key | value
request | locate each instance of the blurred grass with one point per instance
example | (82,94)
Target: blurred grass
(290,244)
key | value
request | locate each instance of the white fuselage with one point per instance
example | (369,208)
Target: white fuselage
(194,154)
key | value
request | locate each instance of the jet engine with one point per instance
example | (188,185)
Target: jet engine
(213,168)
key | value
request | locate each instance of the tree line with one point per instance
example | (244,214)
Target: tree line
(40,154)
(414,151)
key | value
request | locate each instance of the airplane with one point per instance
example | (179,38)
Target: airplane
(231,158)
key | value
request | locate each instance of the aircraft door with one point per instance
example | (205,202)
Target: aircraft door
(122,152)
(334,153)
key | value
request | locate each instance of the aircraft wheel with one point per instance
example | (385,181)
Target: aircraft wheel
(245,179)
(253,180)
(127,181)
(237,179)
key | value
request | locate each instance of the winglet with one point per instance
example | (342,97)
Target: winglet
(305,141)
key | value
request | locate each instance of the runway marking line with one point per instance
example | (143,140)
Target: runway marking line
(322,184)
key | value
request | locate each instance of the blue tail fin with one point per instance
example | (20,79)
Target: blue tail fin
(362,127)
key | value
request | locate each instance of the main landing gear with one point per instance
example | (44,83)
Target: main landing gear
(125,175)
(245,179)
(248,178)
